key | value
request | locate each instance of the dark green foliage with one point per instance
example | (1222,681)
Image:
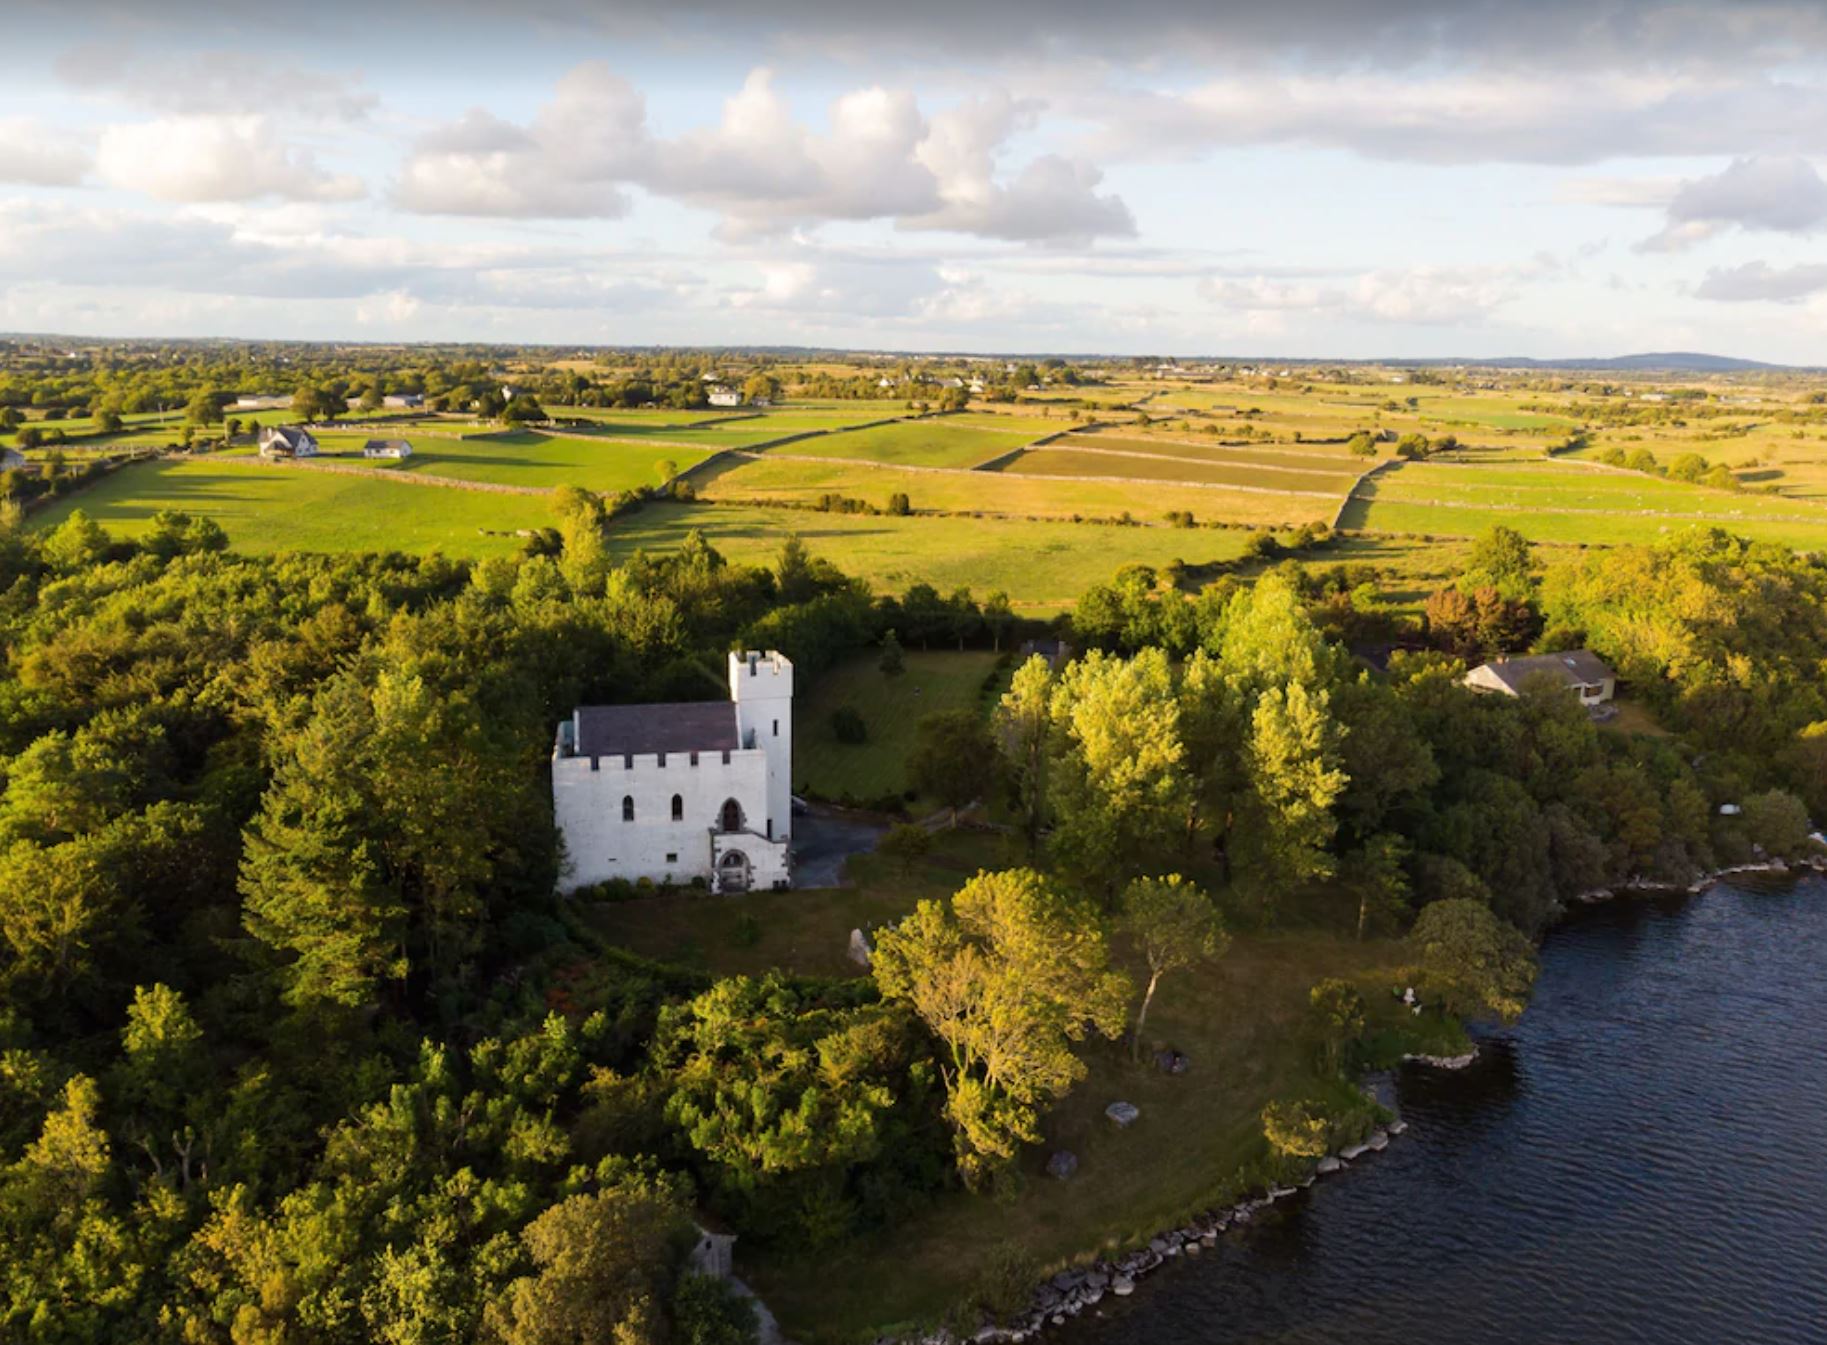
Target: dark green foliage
(847,725)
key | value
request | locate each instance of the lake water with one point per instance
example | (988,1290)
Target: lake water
(1642,1159)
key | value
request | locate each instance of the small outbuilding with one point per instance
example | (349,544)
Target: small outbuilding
(12,460)
(1580,670)
(287,441)
(387,448)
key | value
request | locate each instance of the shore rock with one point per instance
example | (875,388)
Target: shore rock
(1122,1286)
(1328,1165)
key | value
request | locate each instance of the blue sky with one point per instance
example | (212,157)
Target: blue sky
(1355,178)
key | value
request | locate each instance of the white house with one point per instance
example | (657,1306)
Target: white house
(700,789)
(387,448)
(403,401)
(722,396)
(287,441)
(1580,669)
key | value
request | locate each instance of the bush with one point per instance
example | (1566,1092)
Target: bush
(711,1311)
(847,725)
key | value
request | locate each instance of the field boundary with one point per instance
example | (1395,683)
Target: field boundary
(1278,445)
(385,474)
(1044,447)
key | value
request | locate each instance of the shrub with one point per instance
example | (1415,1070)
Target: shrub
(707,1310)
(847,725)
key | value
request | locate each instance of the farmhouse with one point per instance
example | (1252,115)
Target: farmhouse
(694,790)
(387,448)
(1581,669)
(722,396)
(287,441)
(405,401)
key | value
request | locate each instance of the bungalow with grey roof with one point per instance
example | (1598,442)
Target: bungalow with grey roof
(1579,669)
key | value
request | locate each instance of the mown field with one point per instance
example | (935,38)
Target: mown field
(1295,458)
(1042,566)
(1556,502)
(1002,492)
(891,708)
(1096,462)
(265,508)
(939,442)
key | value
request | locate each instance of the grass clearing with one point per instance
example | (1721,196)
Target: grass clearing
(1005,493)
(920,443)
(265,509)
(891,707)
(1042,566)
(1072,462)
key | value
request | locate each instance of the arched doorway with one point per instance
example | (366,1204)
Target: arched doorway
(733,872)
(730,817)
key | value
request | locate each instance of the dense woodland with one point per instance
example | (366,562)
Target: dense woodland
(297,1044)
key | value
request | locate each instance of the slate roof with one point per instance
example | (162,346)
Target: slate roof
(1576,665)
(685,726)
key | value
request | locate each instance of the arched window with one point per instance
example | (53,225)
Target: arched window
(678,807)
(732,815)
(627,807)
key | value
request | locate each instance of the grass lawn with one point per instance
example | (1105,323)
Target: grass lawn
(1242,1021)
(891,707)
(923,443)
(1051,461)
(1005,493)
(265,509)
(807,930)
(534,458)
(1042,566)
(1544,525)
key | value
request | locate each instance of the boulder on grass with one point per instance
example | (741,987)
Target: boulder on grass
(1123,1113)
(1062,1164)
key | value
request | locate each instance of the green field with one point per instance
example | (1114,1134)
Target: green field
(891,707)
(1003,493)
(534,458)
(265,508)
(1050,461)
(920,443)
(1042,566)
(1318,458)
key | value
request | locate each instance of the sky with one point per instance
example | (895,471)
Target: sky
(1307,178)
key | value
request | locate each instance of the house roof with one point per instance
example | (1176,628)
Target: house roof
(380,445)
(289,435)
(1574,666)
(642,730)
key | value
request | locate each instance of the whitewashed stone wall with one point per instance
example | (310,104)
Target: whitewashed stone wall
(589,795)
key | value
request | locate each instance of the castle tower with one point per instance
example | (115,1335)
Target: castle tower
(761,685)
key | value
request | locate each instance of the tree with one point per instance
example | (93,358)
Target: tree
(892,662)
(372,398)
(998,618)
(204,409)
(1472,960)
(602,1262)
(953,760)
(1174,926)
(1022,725)
(899,505)
(1291,762)
(1338,1010)
(1412,446)
(1117,783)
(1295,1130)
(1362,445)
(761,388)
(1501,559)
(711,1311)
(1777,822)
(905,845)
(1007,975)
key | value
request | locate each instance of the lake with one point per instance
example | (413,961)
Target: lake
(1642,1159)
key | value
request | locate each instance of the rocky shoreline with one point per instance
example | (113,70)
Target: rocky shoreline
(1070,1292)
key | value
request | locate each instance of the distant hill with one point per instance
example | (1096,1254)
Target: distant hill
(1674,361)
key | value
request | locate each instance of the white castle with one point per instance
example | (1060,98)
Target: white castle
(697,789)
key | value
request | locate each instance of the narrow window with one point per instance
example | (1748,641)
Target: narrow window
(672,858)
(776,728)
(770,828)
(726,756)
(628,761)
(662,760)
(694,758)
(627,807)
(678,808)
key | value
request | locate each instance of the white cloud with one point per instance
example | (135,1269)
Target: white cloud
(32,153)
(1786,195)
(1759,281)
(762,170)
(1495,116)
(214,158)
(193,83)
(1417,295)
